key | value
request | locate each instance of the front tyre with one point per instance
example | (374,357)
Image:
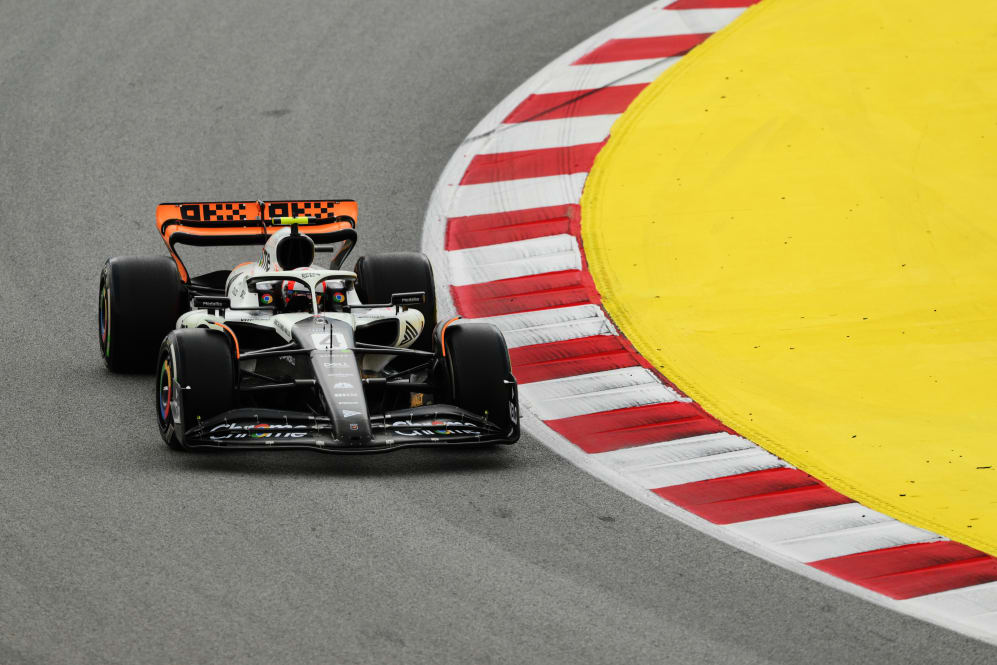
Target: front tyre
(476,373)
(139,300)
(195,381)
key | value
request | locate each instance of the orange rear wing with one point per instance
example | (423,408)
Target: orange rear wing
(250,222)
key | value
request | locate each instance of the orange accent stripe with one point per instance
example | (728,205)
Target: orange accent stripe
(223,232)
(443,333)
(230,332)
(184,277)
(249,231)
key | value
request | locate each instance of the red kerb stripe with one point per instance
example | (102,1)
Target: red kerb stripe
(520,294)
(499,227)
(914,570)
(572,357)
(548,106)
(710,4)
(642,48)
(624,428)
(735,487)
(754,495)
(502,166)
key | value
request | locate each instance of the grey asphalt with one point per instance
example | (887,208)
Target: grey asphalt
(115,549)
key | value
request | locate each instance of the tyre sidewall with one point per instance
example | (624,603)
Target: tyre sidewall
(168,425)
(142,297)
(205,373)
(477,374)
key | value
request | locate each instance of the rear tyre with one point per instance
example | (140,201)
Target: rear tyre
(477,375)
(140,299)
(195,381)
(379,276)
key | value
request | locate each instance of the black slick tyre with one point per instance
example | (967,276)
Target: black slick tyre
(139,301)
(195,381)
(477,375)
(381,275)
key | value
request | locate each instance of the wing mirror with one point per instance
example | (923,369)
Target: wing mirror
(398,300)
(215,305)
(408,299)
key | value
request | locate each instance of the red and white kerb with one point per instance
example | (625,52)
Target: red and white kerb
(503,230)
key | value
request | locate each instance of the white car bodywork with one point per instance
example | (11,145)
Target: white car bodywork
(245,304)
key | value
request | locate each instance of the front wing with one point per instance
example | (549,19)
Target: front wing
(270,429)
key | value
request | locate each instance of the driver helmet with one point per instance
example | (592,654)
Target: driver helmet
(297,297)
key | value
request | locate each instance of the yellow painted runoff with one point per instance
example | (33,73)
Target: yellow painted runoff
(798,225)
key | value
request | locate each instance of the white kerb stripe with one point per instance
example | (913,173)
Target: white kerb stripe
(979,602)
(853,541)
(557,133)
(517,194)
(544,326)
(984,622)
(594,382)
(874,535)
(595,392)
(590,77)
(679,450)
(707,468)
(818,522)
(514,259)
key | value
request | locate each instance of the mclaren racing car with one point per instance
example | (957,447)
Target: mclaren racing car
(281,352)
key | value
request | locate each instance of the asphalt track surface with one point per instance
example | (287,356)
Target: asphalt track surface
(115,549)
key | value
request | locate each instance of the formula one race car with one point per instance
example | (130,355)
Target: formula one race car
(281,353)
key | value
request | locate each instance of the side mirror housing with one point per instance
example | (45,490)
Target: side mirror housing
(216,305)
(408,299)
